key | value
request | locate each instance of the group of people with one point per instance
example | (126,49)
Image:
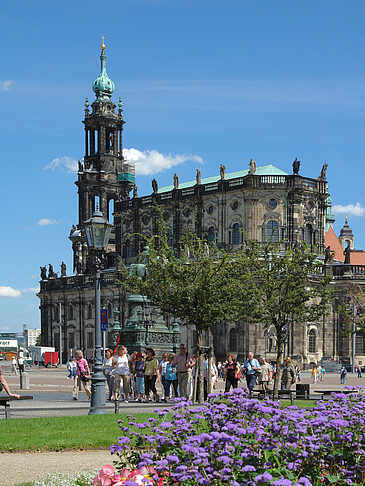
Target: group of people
(256,372)
(318,373)
(17,365)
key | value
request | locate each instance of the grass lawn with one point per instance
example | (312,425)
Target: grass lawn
(80,432)
(56,433)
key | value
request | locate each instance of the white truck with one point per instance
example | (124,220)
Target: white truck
(38,353)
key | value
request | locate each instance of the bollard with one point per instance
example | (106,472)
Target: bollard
(24,381)
(116,406)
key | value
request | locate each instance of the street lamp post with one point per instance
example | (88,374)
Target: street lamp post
(146,319)
(97,231)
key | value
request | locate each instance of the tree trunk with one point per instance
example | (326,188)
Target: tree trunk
(209,371)
(279,362)
(199,370)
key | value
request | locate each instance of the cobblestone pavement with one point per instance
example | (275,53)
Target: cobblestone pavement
(17,468)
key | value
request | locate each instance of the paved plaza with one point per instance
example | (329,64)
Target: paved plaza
(52,393)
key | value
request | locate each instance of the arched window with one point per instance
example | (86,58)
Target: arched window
(308,234)
(233,339)
(89,311)
(312,348)
(236,234)
(70,312)
(127,249)
(56,313)
(211,234)
(272,232)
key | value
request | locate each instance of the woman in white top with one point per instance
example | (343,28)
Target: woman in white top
(122,372)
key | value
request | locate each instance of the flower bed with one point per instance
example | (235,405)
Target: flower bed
(234,440)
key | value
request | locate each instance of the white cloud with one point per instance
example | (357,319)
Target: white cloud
(5,85)
(152,162)
(31,290)
(354,210)
(147,162)
(6,291)
(64,163)
(46,222)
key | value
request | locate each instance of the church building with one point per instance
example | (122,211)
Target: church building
(261,203)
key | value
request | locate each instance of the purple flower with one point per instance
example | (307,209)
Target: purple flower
(282,482)
(172,459)
(248,468)
(304,482)
(263,478)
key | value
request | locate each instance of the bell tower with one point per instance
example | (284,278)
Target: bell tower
(104,176)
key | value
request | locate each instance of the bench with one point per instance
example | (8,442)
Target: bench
(269,393)
(327,393)
(5,402)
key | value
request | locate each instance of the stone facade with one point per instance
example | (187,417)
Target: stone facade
(260,203)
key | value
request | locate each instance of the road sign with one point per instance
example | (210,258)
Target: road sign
(103,319)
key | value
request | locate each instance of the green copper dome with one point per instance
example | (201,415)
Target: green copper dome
(103,86)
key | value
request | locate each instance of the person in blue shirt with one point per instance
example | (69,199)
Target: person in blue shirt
(170,378)
(251,368)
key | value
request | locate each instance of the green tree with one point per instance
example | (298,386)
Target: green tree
(288,285)
(197,284)
(38,341)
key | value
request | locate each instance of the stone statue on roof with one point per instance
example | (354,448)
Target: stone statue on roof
(252,166)
(328,255)
(222,172)
(154,186)
(347,255)
(176,181)
(135,191)
(43,273)
(296,166)
(322,175)
(198,177)
(63,269)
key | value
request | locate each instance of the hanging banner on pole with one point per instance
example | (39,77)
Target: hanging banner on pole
(103,320)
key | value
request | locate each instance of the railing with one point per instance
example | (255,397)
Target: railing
(352,271)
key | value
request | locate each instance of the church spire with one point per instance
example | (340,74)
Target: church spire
(103,86)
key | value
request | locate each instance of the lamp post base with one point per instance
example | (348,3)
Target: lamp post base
(97,406)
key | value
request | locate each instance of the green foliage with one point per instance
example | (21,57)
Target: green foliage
(352,310)
(288,286)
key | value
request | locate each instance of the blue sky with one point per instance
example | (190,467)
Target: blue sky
(202,82)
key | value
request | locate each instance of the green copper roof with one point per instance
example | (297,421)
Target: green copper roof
(103,86)
(260,171)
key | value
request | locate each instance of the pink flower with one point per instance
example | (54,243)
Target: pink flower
(105,476)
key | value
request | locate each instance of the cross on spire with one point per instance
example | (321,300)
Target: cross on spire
(103,43)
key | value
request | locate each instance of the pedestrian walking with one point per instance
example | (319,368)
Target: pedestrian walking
(21,364)
(359,375)
(323,372)
(314,374)
(298,374)
(265,376)
(82,376)
(108,371)
(139,367)
(162,370)
(231,373)
(151,374)
(251,369)
(170,378)
(343,374)
(288,376)
(219,366)
(14,370)
(69,369)
(184,365)
(122,366)
(74,367)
